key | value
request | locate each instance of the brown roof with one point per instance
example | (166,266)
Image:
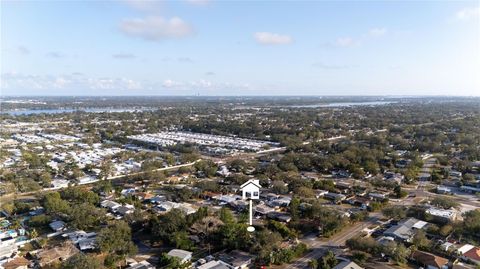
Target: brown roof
(145,195)
(15,263)
(56,254)
(426,258)
(473,254)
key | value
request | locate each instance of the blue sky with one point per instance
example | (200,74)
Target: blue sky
(240,48)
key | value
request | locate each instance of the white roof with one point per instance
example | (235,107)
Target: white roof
(465,248)
(419,224)
(214,265)
(255,182)
(180,253)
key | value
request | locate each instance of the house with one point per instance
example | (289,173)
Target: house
(360,201)
(144,196)
(158,199)
(280,202)
(460,265)
(335,197)
(187,208)
(405,230)
(226,199)
(278,216)
(214,265)
(125,210)
(263,209)
(17,263)
(110,205)
(236,259)
(140,265)
(377,196)
(251,189)
(239,204)
(7,247)
(472,255)
(320,193)
(57,226)
(469,189)
(394,177)
(455,174)
(347,264)
(444,190)
(165,206)
(402,163)
(429,261)
(444,215)
(182,255)
(56,254)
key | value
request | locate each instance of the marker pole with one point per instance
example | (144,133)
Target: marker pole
(251,221)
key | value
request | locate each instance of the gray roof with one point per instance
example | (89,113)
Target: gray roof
(347,265)
(213,265)
(180,253)
(405,229)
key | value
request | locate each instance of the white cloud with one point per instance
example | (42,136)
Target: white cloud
(345,42)
(18,81)
(156,28)
(377,31)
(124,56)
(330,66)
(468,13)
(185,59)
(55,54)
(168,83)
(23,50)
(267,38)
(202,84)
(198,2)
(145,5)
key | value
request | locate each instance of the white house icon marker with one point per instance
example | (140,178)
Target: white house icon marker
(251,191)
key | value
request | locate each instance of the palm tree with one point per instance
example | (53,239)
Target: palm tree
(313,264)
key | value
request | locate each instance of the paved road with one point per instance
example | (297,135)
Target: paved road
(320,246)
(31,195)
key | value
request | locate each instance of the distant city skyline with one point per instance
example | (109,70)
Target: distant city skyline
(226,48)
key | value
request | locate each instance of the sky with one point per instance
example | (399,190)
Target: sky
(202,47)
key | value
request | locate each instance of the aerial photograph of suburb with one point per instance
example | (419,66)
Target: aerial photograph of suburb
(239,134)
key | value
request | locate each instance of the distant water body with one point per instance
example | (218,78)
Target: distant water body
(346,104)
(69,110)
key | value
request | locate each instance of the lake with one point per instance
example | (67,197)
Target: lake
(70,110)
(347,104)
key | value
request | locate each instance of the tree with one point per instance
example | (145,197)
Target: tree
(33,233)
(313,264)
(226,215)
(86,216)
(395,212)
(294,209)
(445,230)
(328,261)
(444,202)
(279,187)
(399,193)
(82,261)
(397,252)
(304,192)
(166,225)
(470,227)
(116,240)
(46,179)
(360,257)
(54,204)
(420,240)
